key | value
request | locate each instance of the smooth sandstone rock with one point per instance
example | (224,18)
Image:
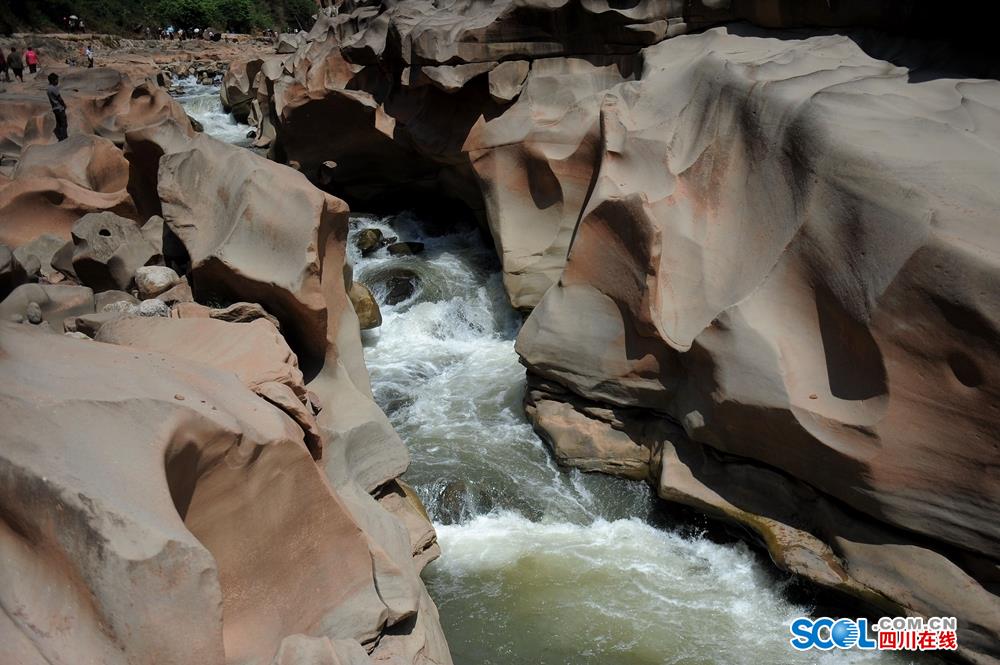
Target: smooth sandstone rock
(102,101)
(305,650)
(151,281)
(233,539)
(178,293)
(55,184)
(244,312)
(256,352)
(750,269)
(224,237)
(55,302)
(297,275)
(108,251)
(37,255)
(90,324)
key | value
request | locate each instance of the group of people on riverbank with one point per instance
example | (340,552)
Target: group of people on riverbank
(170,32)
(12,63)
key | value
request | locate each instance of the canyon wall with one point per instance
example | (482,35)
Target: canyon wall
(761,264)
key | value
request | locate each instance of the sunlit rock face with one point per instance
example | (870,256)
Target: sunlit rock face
(199,484)
(780,287)
(492,104)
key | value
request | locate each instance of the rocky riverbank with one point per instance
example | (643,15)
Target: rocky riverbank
(192,468)
(758,263)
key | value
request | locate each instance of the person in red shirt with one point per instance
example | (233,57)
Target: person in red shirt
(31,59)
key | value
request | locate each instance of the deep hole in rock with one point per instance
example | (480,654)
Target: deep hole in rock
(182,476)
(853,360)
(965,369)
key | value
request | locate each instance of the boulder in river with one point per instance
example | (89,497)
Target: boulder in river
(368,241)
(366,306)
(405,248)
(400,285)
(52,186)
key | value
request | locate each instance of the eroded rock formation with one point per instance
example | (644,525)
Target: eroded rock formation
(494,104)
(788,311)
(198,484)
(777,304)
(51,184)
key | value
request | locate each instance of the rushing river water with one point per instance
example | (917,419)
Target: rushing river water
(202,103)
(540,565)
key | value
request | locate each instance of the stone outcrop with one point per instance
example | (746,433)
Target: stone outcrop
(244,467)
(55,184)
(108,250)
(223,504)
(776,308)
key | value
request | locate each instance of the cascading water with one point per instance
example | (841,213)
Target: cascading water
(202,103)
(541,564)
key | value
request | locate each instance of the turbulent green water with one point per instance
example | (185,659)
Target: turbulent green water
(542,565)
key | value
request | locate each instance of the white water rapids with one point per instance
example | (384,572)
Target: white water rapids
(540,565)
(203,104)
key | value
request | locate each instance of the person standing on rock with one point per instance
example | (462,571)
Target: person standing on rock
(31,59)
(89,54)
(16,64)
(3,67)
(58,107)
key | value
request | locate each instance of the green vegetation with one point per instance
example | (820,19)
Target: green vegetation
(124,16)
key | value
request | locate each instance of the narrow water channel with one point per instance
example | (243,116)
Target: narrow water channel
(540,565)
(203,104)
